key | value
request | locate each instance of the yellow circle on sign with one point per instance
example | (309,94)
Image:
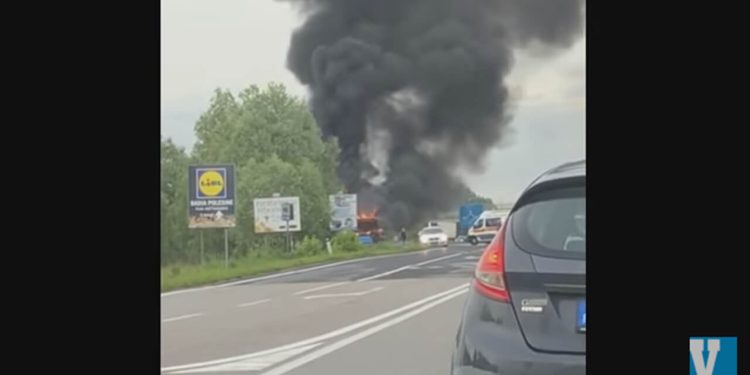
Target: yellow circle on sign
(211,183)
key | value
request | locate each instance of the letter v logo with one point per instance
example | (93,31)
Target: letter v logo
(703,367)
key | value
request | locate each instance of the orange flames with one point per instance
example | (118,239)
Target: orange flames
(367,215)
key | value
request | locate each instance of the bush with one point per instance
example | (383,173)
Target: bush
(310,246)
(346,242)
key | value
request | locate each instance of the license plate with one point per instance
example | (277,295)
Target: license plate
(581,317)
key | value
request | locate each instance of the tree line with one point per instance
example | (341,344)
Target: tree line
(272,139)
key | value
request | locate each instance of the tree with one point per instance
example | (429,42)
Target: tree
(272,139)
(263,179)
(174,232)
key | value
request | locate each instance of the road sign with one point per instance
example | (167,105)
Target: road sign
(211,196)
(269,214)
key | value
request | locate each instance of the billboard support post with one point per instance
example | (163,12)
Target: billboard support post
(288,242)
(226,247)
(202,259)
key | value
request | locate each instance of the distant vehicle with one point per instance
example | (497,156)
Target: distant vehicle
(525,312)
(368,225)
(485,227)
(467,215)
(433,236)
(448,226)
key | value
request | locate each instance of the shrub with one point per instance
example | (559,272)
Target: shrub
(346,242)
(310,246)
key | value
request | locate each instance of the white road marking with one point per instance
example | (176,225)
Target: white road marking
(181,317)
(407,267)
(327,286)
(275,275)
(253,303)
(289,366)
(351,294)
(256,363)
(384,273)
(325,336)
(436,259)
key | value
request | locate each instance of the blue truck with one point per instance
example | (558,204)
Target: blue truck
(467,215)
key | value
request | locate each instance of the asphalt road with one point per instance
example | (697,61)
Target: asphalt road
(386,315)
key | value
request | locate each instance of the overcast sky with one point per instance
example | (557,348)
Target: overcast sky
(232,44)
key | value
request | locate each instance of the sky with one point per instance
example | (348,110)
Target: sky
(231,44)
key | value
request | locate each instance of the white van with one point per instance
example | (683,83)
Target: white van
(485,227)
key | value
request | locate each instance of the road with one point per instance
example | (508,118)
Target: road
(394,314)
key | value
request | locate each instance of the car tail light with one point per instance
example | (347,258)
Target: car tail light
(490,272)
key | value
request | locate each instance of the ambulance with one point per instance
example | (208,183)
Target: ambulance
(485,227)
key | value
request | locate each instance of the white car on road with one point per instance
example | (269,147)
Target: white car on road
(433,236)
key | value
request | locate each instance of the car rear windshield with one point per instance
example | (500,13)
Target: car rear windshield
(432,231)
(553,223)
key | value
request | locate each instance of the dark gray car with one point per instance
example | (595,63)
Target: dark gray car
(526,310)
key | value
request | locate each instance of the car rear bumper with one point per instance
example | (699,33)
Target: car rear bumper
(489,341)
(435,243)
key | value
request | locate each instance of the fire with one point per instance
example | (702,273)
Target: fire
(367,215)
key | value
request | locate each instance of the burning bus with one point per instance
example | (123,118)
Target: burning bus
(368,225)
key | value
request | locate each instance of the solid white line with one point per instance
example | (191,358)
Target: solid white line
(437,259)
(407,267)
(352,294)
(289,366)
(322,337)
(384,273)
(294,272)
(176,318)
(253,303)
(320,288)
(251,364)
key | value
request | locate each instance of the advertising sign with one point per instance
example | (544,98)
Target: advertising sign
(343,212)
(211,196)
(271,214)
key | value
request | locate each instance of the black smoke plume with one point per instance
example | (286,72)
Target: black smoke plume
(414,89)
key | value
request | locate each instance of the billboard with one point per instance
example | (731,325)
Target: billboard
(343,212)
(211,196)
(271,214)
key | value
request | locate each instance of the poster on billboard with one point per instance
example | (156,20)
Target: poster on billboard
(211,196)
(343,212)
(271,214)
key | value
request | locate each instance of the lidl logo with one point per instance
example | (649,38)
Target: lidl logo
(211,183)
(713,356)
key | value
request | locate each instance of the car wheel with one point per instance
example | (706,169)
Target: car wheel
(473,241)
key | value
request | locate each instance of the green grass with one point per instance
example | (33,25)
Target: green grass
(178,276)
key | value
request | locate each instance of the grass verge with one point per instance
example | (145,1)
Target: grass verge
(180,276)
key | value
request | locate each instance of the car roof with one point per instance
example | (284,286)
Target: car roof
(567,170)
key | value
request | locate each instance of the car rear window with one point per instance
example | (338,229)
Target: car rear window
(552,223)
(432,231)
